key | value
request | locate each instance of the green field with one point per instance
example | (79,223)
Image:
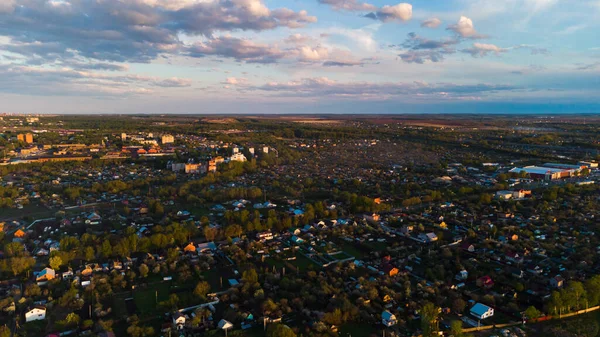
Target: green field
(352,250)
(147,299)
(356,330)
(214,279)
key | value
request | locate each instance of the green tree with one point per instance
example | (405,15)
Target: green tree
(532,314)
(144,270)
(202,288)
(280,330)
(429,319)
(4,331)
(55,262)
(250,276)
(456,328)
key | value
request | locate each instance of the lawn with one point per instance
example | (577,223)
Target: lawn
(356,330)
(147,299)
(214,279)
(302,262)
(377,246)
(352,250)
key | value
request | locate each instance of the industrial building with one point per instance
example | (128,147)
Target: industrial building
(546,173)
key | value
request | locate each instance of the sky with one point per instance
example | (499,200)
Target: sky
(299,56)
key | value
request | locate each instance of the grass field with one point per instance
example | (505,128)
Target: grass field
(356,330)
(303,263)
(214,279)
(147,299)
(352,250)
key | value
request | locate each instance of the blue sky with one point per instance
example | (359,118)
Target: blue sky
(309,56)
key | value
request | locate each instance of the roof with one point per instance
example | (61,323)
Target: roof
(223,324)
(480,309)
(537,169)
(387,315)
(207,245)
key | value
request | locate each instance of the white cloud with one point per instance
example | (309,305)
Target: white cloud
(465,28)
(313,54)
(399,12)
(431,23)
(483,49)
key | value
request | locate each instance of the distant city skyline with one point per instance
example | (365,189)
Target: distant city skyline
(309,56)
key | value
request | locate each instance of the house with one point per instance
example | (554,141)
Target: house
(190,248)
(390,270)
(388,319)
(557,282)
(481,311)
(264,235)
(504,195)
(93,219)
(206,247)
(20,234)
(178,321)
(37,313)
(45,275)
(485,282)
(428,238)
(224,325)
(468,247)
(462,275)
(238,157)
(514,257)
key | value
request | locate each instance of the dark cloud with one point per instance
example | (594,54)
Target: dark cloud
(420,49)
(239,49)
(136,30)
(590,66)
(348,5)
(341,63)
(67,81)
(324,87)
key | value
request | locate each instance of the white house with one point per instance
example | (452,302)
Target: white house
(238,157)
(388,319)
(178,321)
(482,311)
(36,314)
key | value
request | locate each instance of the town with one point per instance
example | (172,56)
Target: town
(183,225)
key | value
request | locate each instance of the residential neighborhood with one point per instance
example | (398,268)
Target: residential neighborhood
(193,227)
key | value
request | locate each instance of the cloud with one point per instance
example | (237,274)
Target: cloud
(35,80)
(173,82)
(136,30)
(465,28)
(348,5)
(298,39)
(534,50)
(235,81)
(590,66)
(342,63)
(327,88)
(421,57)
(7,6)
(399,12)
(313,53)
(238,49)
(431,23)
(483,49)
(97,66)
(420,49)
